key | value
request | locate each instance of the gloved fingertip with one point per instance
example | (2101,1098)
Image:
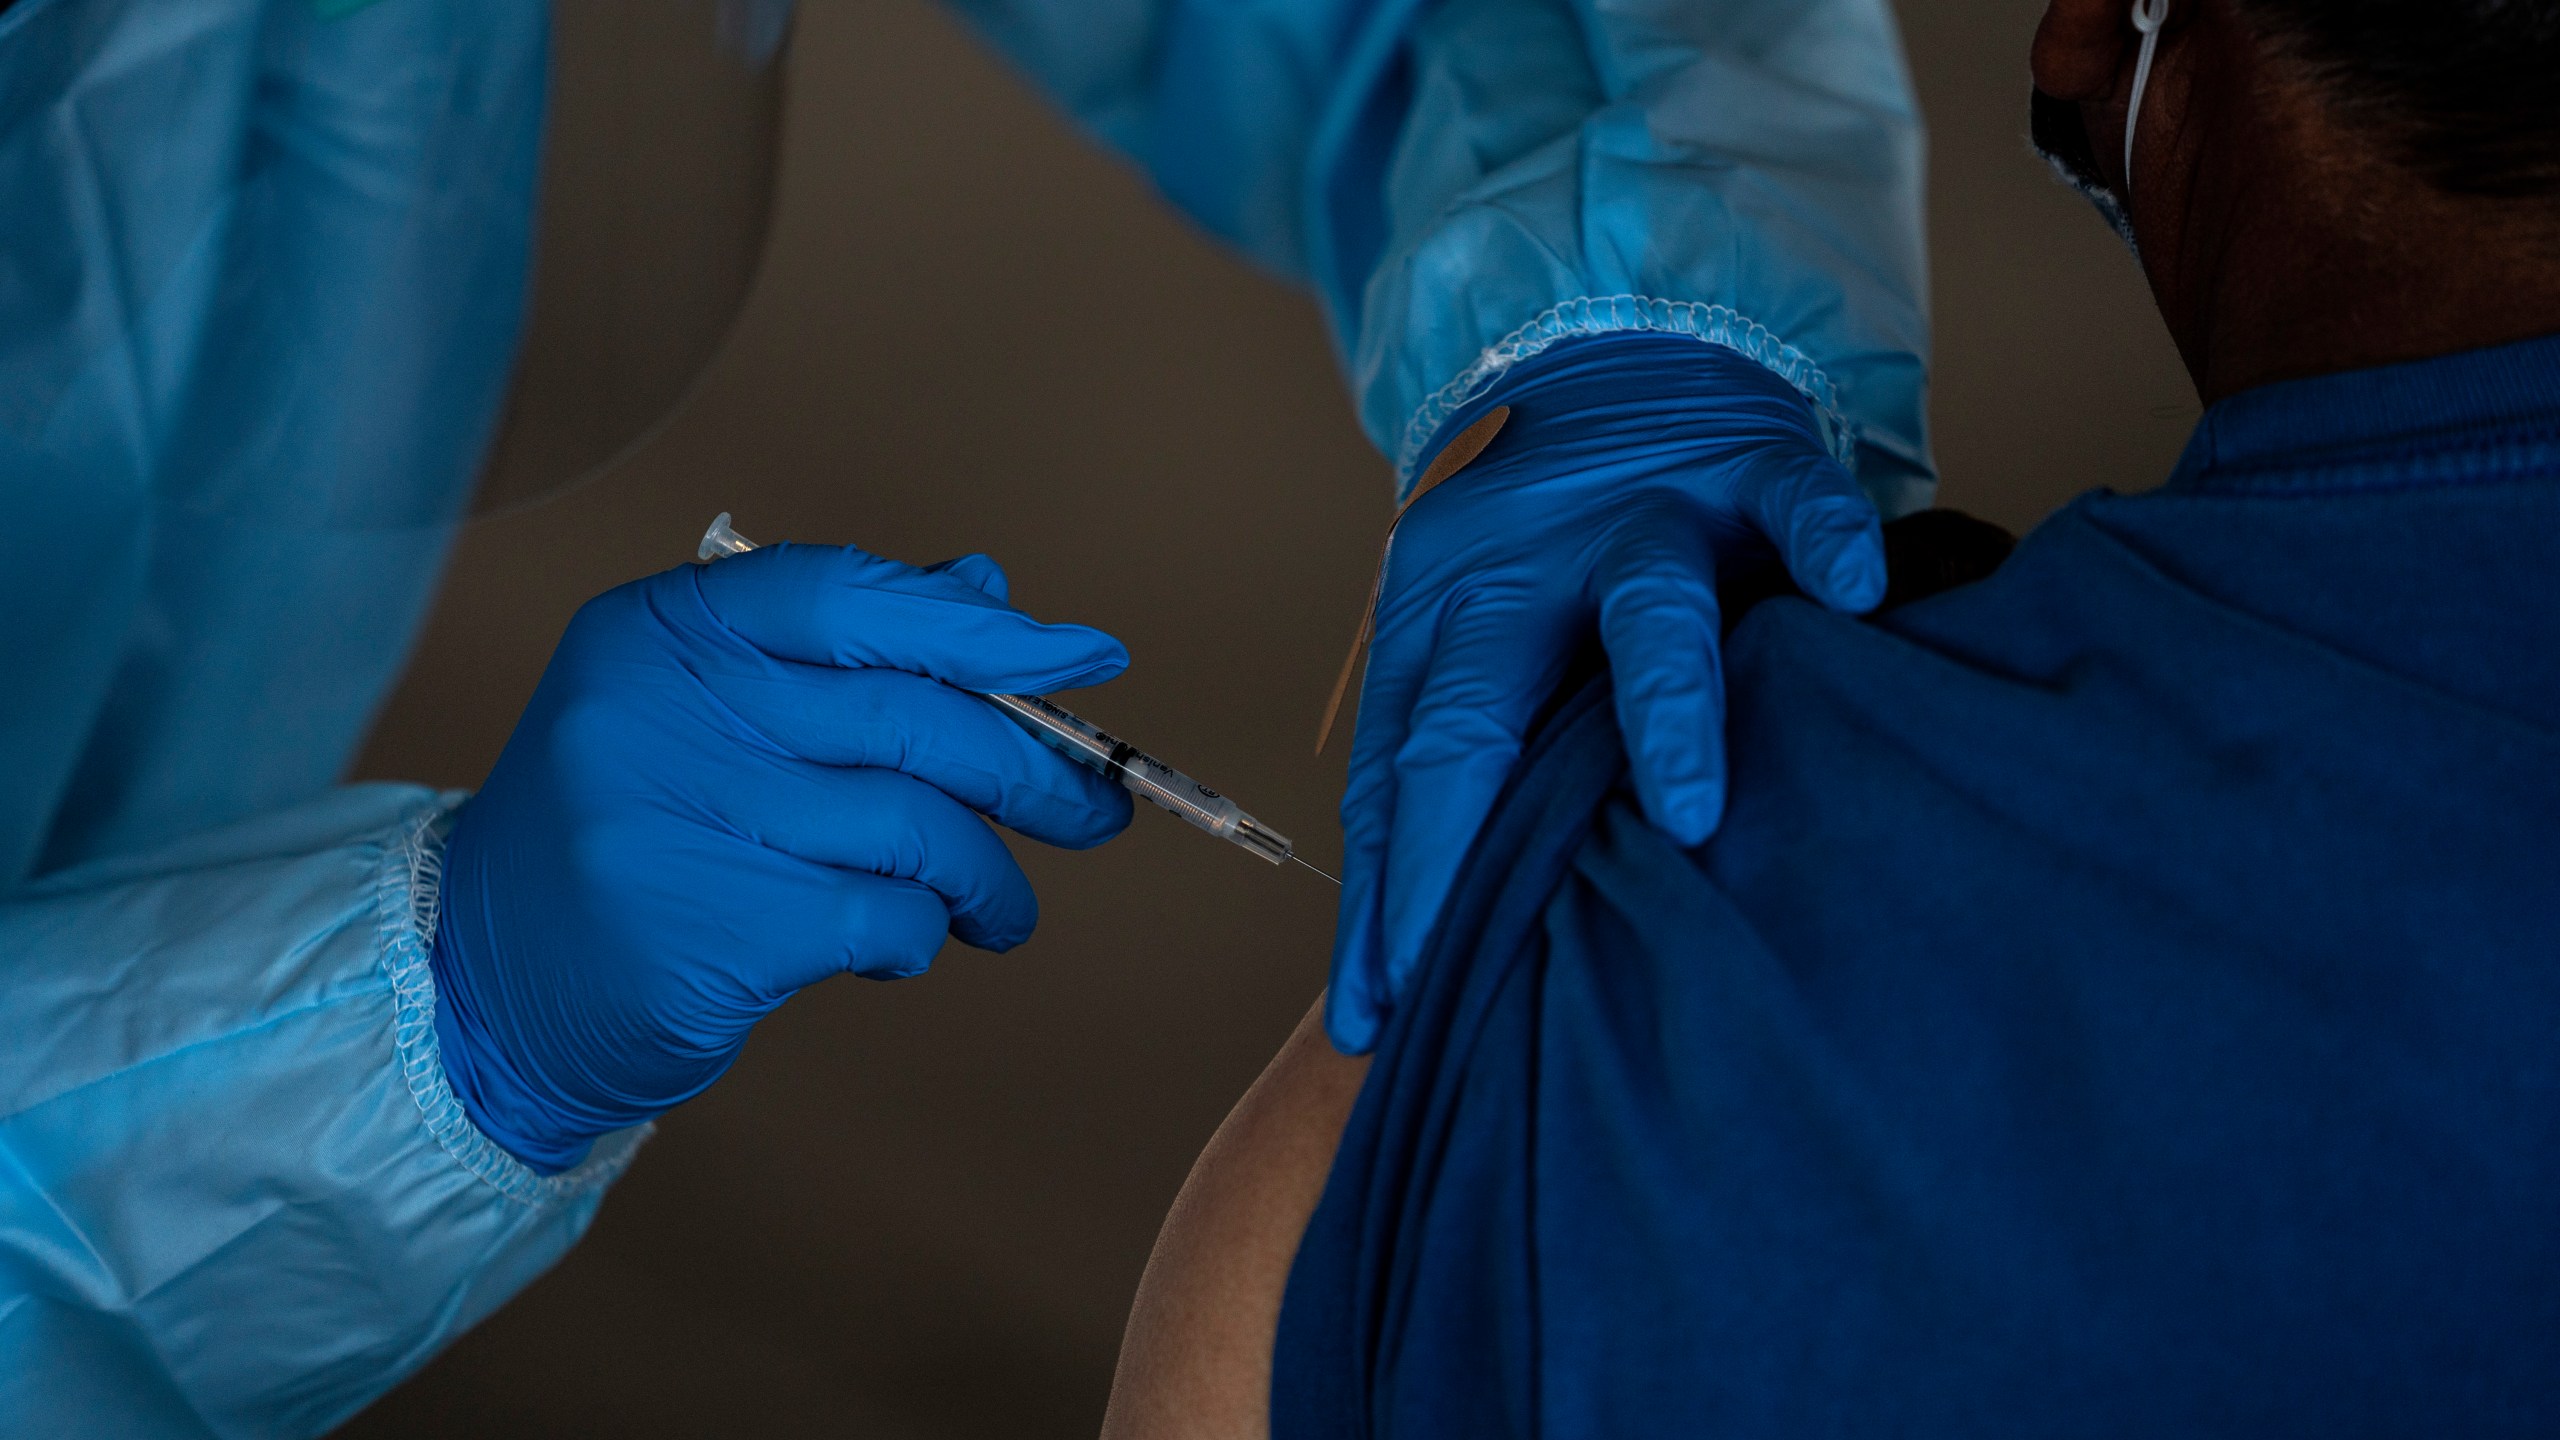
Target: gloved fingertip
(1046,658)
(894,929)
(1100,672)
(1103,657)
(1096,827)
(982,572)
(1675,747)
(1688,813)
(1351,1025)
(1111,824)
(1843,564)
(996,926)
(1352,1010)
(1402,958)
(1859,578)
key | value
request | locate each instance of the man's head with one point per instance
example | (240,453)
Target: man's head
(2464,92)
(2322,184)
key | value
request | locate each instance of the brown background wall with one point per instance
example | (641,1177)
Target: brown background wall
(919,1209)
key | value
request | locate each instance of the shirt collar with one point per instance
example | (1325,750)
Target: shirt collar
(2474,415)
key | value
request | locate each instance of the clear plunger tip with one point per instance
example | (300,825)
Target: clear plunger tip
(720,540)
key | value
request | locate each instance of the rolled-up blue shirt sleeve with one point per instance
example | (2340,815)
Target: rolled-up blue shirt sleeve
(237,1196)
(1467,182)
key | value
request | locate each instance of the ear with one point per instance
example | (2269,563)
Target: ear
(2080,48)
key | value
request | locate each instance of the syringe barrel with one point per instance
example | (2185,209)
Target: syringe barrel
(1088,744)
(1143,775)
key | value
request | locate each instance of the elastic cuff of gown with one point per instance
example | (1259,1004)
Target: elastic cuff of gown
(1621,314)
(412,872)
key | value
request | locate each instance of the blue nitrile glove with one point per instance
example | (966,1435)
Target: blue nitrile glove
(1629,468)
(734,781)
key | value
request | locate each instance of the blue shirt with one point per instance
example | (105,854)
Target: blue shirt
(2122,998)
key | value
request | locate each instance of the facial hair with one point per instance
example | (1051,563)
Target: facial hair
(2055,129)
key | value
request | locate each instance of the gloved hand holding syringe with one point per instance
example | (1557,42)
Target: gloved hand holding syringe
(1090,745)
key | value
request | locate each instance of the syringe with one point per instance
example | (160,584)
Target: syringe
(1090,745)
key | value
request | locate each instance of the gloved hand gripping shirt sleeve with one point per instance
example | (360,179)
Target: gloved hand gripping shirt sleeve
(1468,182)
(237,1196)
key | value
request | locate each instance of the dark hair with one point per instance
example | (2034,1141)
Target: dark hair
(2468,91)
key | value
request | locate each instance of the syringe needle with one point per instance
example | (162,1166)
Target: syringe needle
(1303,860)
(1089,745)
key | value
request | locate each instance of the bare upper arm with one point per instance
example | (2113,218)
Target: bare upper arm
(1195,1361)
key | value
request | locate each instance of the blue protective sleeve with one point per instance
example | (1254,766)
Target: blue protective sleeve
(262,271)
(236,1195)
(263,266)
(1466,182)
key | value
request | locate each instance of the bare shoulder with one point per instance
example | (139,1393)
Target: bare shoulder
(1195,1361)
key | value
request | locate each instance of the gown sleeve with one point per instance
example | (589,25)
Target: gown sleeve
(1464,183)
(237,1196)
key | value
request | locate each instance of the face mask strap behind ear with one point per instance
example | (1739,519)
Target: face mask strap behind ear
(2148,17)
